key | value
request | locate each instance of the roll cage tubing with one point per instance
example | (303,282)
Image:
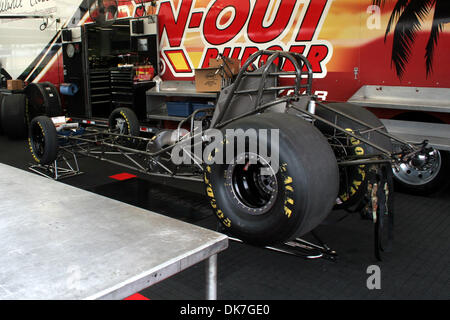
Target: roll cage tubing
(102,138)
(294,58)
(298,61)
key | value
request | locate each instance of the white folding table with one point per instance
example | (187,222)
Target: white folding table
(61,242)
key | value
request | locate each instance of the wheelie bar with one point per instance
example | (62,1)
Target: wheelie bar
(305,249)
(301,248)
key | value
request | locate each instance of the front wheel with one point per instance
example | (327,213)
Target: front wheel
(124,121)
(43,140)
(266,200)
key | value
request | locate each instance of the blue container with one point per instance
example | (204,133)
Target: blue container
(196,106)
(179,109)
(69,133)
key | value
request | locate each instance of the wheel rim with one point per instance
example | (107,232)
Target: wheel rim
(253,190)
(38,140)
(417,176)
(121,125)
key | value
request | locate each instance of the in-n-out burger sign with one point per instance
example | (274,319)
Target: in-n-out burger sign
(9,5)
(238,28)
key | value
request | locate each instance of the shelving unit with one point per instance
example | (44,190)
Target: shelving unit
(156,100)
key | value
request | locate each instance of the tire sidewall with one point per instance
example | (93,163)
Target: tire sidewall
(14,115)
(45,125)
(130,119)
(287,212)
(51,100)
(353,183)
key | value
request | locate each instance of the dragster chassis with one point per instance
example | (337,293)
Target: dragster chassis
(114,144)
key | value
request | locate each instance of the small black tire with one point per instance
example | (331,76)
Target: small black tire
(132,127)
(43,140)
(14,116)
(302,193)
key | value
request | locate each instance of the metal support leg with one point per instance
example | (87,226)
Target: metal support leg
(211,278)
(59,169)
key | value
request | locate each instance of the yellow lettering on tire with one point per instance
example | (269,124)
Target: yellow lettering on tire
(288,180)
(287,211)
(127,121)
(32,152)
(210,192)
(344,197)
(227,222)
(357,183)
(359,151)
(353,140)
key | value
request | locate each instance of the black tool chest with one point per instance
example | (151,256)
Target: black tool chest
(100,92)
(115,87)
(122,87)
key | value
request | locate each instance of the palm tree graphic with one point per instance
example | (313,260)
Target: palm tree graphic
(408,16)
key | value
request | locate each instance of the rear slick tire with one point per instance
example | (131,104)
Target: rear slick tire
(43,100)
(353,183)
(288,203)
(14,116)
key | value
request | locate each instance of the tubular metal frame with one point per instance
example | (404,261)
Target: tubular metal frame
(103,143)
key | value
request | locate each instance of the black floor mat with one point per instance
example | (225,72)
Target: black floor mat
(416,269)
(182,205)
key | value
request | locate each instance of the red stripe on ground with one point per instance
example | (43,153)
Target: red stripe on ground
(136,296)
(123,176)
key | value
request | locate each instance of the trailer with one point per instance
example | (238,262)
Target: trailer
(384,56)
